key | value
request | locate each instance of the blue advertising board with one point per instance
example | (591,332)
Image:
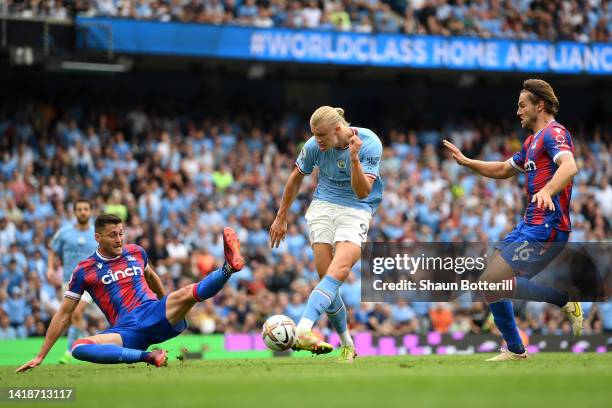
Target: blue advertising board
(339,48)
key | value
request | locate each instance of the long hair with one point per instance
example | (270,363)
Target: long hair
(540,90)
(327,116)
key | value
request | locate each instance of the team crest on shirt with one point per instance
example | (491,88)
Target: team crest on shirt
(81,240)
(342,163)
(560,138)
(130,258)
(99,265)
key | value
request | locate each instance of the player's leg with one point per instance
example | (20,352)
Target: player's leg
(180,302)
(322,296)
(107,348)
(321,233)
(545,244)
(501,308)
(338,317)
(351,228)
(336,312)
(323,255)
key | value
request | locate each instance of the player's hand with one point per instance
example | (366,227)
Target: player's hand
(278,231)
(355,143)
(456,153)
(53,278)
(29,365)
(543,200)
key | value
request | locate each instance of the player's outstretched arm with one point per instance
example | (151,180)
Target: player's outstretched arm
(564,174)
(154,282)
(279,226)
(493,169)
(59,324)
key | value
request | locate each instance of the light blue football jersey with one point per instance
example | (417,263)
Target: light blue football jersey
(335,171)
(73,246)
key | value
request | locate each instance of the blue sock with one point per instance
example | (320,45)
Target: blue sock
(211,284)
(73,334)
(336,313)
(108,354)
(321,298)
(528,290)
(503,315)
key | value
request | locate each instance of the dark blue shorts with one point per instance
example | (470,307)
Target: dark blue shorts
(146,325)
(529,248)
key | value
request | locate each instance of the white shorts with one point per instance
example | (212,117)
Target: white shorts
(330,223)
(85,297)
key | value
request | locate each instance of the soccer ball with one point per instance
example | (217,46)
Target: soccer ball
(278,333)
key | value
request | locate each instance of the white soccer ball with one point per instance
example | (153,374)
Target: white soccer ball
(278,333)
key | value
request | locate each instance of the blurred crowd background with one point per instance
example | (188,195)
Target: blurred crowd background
(177,179)
(554,20)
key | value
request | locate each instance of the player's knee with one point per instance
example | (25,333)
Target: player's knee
(492,275)
(81,342)
(485,277)
(495,276)
(339,272)
(76,319)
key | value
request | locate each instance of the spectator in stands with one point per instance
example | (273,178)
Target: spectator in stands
(16,310)
(605,316)
(441,317)
(7,332)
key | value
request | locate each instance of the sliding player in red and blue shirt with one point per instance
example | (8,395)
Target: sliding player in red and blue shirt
(547,159)
(131,296)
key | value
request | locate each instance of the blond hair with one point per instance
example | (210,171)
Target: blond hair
(542,91)
(327,116)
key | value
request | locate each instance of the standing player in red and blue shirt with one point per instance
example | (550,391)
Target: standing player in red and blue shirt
(130,294)
(547,159)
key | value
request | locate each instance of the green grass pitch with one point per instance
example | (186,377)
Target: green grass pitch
(547,379)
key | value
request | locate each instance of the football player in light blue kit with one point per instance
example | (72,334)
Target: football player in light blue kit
(349,190)
(70,245)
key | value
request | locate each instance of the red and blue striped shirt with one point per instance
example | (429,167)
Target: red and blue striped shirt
(117,285)
(538,160)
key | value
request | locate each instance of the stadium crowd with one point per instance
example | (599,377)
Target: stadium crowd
(574,20)
(177,180)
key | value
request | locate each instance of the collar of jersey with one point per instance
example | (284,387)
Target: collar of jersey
(102,257)
(545,126)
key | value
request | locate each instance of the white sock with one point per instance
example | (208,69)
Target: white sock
(346,339)
(305,325)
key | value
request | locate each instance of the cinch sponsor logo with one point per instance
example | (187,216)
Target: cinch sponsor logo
(113,276)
